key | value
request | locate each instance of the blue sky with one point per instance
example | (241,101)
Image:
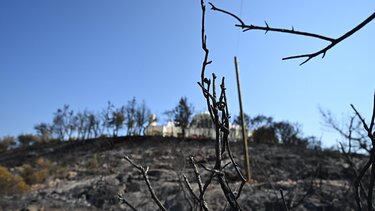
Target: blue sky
(87,52)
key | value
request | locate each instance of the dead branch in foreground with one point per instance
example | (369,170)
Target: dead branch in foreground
(218,109)
(323,51)
(143,171)
(370,163)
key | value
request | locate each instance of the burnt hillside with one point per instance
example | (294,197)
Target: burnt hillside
(88,175)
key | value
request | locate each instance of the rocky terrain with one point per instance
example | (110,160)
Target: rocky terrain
(90,174)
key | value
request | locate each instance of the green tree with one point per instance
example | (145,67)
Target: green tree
(142,117)
(117,120)
(265,134)
(182,114)
(93,125)
(260,121)
(237,120)
(131,112)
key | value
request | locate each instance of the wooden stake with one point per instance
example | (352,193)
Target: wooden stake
(244,135)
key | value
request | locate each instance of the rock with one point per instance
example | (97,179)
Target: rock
(32,207)
(71,175)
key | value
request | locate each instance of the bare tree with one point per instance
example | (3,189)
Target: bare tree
(63,125)
(355,139)
(370,130)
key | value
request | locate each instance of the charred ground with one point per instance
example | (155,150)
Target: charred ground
(89,175)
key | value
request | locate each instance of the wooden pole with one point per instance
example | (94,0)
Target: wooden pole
(244,135)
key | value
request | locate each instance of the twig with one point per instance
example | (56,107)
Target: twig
(371,186)
(309,56)
(201,200)
(234,163)
(352,165)
(284,203)
(218,109)
(144,171)
(124,201)
(190,188)
(229,195)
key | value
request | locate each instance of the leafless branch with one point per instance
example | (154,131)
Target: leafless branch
(284,203)
(370,162)
(201,200)
(349,160)
(144,171)
(124,201)
(190,188)
(308,56)
(218,109)
(352,132)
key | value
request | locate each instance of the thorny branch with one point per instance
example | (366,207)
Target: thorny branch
(323,51)
(218,109)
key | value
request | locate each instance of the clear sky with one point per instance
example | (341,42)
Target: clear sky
(87,52)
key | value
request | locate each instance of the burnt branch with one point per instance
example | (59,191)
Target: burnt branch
(309,56)
(370,163)
(267,28)
(352,133)
(201,200)
(190,188)
(219,113)
(144,171)
(124,201)
(284,202)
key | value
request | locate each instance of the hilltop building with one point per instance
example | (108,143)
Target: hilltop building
(201,126)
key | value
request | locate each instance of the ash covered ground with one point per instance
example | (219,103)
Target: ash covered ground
(94,172)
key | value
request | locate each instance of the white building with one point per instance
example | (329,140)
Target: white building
(201,126)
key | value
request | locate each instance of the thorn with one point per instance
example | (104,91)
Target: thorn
(324,54)
(266,24)
(212,6)
(267,27)
(292,28)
